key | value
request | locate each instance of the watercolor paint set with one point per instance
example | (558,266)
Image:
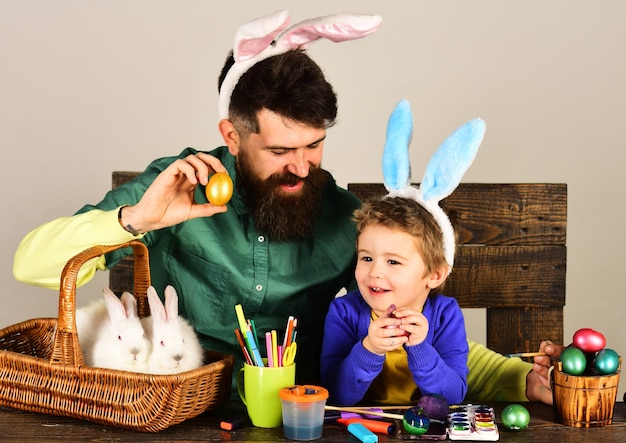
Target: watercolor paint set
(472,422)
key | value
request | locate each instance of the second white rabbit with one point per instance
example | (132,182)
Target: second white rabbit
(175,345)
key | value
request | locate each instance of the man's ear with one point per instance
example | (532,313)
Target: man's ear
(438,276)
(230,135)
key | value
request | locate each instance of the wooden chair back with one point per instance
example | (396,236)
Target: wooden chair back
(511,257)
(121,275)
(510,260)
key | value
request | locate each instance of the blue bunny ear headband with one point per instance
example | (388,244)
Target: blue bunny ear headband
(443,172)
(267,36)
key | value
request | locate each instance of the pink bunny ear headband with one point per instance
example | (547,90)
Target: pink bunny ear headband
(268,36)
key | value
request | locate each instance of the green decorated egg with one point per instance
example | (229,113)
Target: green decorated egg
(515,417)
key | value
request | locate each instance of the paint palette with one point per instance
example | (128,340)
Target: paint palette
(472,422)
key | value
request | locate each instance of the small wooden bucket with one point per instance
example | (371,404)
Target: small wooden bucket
(583,401)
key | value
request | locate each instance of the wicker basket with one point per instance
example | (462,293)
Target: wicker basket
(42,368)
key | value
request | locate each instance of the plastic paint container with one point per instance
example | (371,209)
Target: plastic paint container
(303,411)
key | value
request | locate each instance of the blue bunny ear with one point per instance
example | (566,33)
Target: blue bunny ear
(396,164)
(449,163)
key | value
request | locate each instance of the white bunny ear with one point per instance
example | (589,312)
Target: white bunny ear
(171,303)
(253,41)
(130,304)
(455,155)
(396,163)
(253,37)
(157,311)
(114,305)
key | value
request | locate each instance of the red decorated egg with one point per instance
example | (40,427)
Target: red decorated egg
(589,340)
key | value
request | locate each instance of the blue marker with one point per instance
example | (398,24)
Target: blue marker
(362,433)
(254,350)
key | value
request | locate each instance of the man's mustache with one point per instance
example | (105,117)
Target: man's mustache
(287,179)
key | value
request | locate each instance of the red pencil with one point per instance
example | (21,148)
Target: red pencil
(246,354)
(288,329)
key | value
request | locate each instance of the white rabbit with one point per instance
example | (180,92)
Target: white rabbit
(175,345)
(111,334)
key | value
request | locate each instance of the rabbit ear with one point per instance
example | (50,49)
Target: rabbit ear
(443,173)
(455,155)
(255,36)
(157,311)
(336,28)
(114,305)
(130,304)
(171,303)
(253,41)
(396,164)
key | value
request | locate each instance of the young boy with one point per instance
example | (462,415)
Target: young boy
(395,338)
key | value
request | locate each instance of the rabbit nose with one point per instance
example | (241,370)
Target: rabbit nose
(135,352)
(178,357)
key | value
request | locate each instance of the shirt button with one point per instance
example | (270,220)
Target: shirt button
(259,287)
(261,239)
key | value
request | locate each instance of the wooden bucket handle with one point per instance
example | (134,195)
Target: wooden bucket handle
(66,349)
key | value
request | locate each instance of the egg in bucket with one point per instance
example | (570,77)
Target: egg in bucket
(585,399)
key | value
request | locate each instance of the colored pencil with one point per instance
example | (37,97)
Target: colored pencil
(288,329)
(253,327)
(246,354)
(268,346)
(274,348)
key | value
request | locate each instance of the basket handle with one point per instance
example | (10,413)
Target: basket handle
(66,348)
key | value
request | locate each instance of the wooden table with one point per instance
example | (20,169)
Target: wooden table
(18,426)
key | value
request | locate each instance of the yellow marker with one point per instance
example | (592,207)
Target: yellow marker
(275,348)
(241,319)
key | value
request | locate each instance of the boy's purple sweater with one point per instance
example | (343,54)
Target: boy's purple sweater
(438,364)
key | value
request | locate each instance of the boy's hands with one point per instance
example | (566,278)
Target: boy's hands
(397,328)
(414,323)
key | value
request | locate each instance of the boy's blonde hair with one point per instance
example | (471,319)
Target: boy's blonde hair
(408,216)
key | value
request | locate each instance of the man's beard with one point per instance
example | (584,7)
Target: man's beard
(279,215)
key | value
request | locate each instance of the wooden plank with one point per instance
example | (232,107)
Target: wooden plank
(121,275)
(511,330)
(499,213)
(508,276)
(121,177)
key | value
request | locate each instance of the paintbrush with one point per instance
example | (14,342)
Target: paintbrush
(364,411)
(526,354)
